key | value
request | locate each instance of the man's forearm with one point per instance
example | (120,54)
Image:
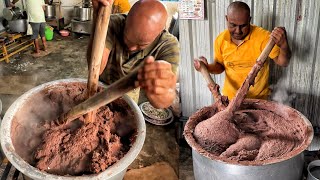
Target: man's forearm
(15,1)
(215,68)
(284,57)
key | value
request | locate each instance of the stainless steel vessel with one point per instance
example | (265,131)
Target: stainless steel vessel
(81,13)
(83,27)
(50,11)
(288,167)
(314,170)
(18,25)
(12,13)
(207,169)
(11,118)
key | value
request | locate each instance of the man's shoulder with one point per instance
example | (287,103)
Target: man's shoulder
(116,23)
(168,37)
(223,35)
(259,31)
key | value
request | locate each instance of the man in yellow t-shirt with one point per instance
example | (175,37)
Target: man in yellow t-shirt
(237,49)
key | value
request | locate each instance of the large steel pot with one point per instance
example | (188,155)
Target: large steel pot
(209,167)
(12,13)
(18,25)
(36,96)
(82,13)
(50,11)
(83,27)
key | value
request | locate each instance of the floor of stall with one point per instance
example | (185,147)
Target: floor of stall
(67,59)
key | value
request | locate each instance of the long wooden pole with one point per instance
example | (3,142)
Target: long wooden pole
(111,93)
(242,92)
(98,46)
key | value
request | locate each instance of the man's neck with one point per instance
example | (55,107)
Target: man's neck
(237,42)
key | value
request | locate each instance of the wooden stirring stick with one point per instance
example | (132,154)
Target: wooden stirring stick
(98,46)
(221,101)
(221,122)
(249,81)
(111,93)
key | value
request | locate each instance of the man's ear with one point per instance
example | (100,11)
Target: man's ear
(226,17)
(250,19)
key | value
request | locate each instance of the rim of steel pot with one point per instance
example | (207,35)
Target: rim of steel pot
(312,164)
(189,129)
(18,25)
(50,10)
(32,172)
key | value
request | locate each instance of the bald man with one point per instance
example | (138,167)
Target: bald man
(237,49)
(137,37)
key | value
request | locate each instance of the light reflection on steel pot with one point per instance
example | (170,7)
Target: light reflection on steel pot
(12,13)
(18,26)
(50,11)
(82,13)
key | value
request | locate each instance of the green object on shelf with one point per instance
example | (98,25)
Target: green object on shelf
(48,32)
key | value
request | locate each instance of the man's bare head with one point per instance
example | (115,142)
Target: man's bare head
(238,18)
(145,21)
(238,7)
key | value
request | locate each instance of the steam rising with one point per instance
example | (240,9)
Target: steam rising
(281,93)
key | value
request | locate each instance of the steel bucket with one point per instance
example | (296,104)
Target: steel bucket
(82,13)
(18,26)
(314,170)
(114,172)
(12,13)
(50,11)
(209,167)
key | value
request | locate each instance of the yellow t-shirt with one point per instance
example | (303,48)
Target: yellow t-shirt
(239,60)
(121,6)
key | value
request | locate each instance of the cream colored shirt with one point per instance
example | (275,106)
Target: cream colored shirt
(35,11)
